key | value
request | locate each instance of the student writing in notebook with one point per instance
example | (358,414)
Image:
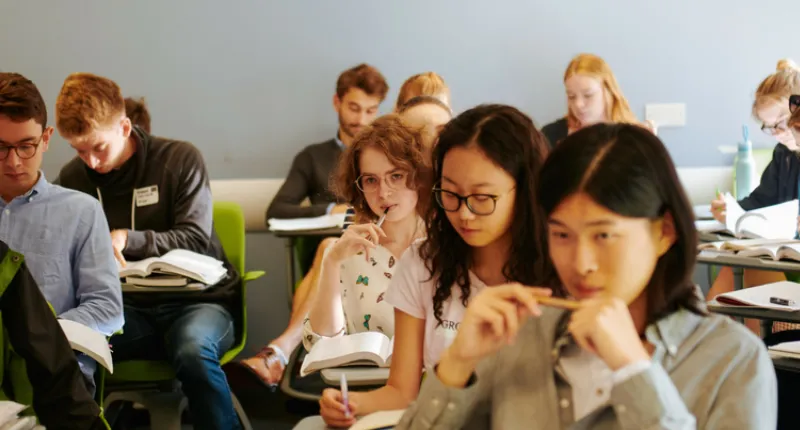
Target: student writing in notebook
(779,180)
(382,172)
(640,351)
(360,91)
(62,233)
(481,232)
(156,196)
(593,96)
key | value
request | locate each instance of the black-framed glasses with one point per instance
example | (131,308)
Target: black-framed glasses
(371,183)
(794,102)
(24,151)
(479,204)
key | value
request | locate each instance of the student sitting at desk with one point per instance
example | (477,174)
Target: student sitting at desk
(156,196)
(593,96)
(359,93)
(640,351)
(62,233)
(60,397)
(779,180)
(482,231)
(384,169)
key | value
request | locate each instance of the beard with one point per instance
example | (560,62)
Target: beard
(348,129)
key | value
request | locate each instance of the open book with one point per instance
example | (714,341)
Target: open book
(739,246)
(367,348)
(10,419)
(305,224)
(90,342)
(772,222)
(759,297)
(379,420)
(192,265)
(787,251)
(786,349)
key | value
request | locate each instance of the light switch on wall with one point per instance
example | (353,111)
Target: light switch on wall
(666,114)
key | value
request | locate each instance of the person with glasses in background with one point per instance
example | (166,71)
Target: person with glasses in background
(482,231)
(62,233)
(779,180)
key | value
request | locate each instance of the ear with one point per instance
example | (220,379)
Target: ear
(337,103)
(127,127)
(46,135)
(667,234)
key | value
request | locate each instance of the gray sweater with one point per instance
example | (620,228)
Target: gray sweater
(309,177)
(706,373)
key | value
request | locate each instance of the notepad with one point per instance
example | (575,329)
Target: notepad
(181,262)
(758,297)
(379,420)
(306,224)
(786,349)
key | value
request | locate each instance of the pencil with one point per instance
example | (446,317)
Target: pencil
(555,302)
(382,218)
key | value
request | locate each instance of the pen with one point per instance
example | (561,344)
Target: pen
(780,301)
(383,217)
(343,387)
(555,302)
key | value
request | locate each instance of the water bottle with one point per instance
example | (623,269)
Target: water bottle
(745,167)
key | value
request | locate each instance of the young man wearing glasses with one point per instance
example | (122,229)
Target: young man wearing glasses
(62,233)
(156,195)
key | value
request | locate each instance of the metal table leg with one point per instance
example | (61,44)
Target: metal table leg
(290,275)
(738,278)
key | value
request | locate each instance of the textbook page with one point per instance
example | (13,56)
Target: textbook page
(304,224)
(90,342)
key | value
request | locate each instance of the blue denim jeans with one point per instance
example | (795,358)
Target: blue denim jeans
(192,338)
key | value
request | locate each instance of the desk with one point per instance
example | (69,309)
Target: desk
(291,264)
(738,264)
(766,316)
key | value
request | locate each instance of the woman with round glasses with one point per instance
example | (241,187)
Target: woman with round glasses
(779,180)
(483,230)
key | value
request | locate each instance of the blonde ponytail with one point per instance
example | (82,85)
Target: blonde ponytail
(787,64)
(777,87)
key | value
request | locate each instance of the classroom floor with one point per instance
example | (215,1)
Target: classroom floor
(265,409)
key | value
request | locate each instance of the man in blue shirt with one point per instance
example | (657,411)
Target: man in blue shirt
(62,233)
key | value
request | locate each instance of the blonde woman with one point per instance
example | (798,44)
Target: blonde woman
(779,180)
(423,84)
(593,96)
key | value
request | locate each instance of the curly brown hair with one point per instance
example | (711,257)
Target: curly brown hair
(404,147)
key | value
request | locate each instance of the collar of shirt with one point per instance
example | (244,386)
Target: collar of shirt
(39,189)
(339,141)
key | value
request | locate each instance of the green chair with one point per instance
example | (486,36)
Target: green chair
(152,383)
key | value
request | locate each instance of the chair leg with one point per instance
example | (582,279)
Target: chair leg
(165,408)
(241,413)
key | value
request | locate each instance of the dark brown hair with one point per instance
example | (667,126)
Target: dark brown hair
(136,111)
(365,78)
(627,169)
(20,100)
(404,148)
(509,138)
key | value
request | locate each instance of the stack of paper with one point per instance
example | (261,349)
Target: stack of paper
(786,349)
(759,297)
(306,224)
(10,419)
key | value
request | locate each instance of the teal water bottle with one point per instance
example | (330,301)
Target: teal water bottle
(745,167)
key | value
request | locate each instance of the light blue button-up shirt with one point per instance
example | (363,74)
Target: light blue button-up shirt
(65,239)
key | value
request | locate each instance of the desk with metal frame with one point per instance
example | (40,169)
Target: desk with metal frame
(292,268)
(738,264)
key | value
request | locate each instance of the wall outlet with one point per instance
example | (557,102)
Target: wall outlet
(666,114)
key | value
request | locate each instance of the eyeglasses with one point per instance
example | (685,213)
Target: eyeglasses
(369,184)
(794,102)
(479,204)
(25,151)
(775,128)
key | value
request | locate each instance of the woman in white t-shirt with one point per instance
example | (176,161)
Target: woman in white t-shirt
(483,230)
(382,170)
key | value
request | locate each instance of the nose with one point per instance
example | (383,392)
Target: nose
(464,213)
(363,118)
(13,160)
(585,258)
(385,191)
(579,103)
(92,161)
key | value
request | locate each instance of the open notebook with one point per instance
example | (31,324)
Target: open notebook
(753,246)
(759,297)
(10,419)
(88,341)
(786,350)
(772,222)
(179,262)
(367,348)
(379,420)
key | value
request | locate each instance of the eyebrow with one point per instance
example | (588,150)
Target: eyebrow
(20,142)
(596,223)
(395,170)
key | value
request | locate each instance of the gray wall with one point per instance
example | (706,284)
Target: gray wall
(250,82)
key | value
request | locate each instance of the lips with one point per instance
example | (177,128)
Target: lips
(585,291)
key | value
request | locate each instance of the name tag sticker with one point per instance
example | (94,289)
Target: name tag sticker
(146,196)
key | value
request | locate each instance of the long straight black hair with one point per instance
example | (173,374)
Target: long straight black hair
(508,138)
(627,169)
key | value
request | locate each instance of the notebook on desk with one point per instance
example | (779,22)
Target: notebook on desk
(307,224)
(760,297)
(771,222)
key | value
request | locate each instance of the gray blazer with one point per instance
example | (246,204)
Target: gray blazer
(707,373)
